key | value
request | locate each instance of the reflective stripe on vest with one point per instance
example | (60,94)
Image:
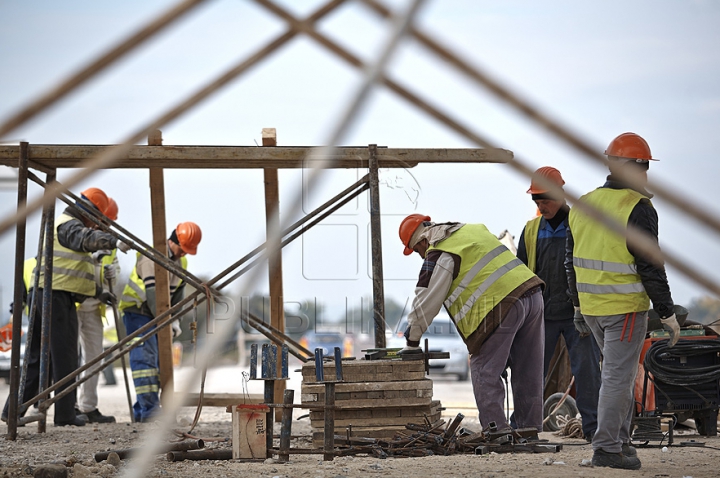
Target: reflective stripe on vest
(531,233)
(488,273)
(607,279)
(72,271)
(134,291)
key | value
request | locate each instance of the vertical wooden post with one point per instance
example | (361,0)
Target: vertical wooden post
(162,276)
(376,247)
(272,227)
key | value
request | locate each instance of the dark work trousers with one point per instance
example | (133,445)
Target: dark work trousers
(584,363)
(518,341)
(63,353)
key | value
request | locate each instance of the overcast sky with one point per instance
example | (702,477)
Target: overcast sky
(601,68)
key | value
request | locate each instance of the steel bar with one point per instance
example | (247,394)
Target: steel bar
(284,372)
(634,236)
(18,294)
(269,397)
(165,318)
(376,250)
(182,446)
(46,322)
(96,66)
(211,454)
(329,436)
(110,157)
(118,331)
(338,365)
(286,426)
(253,361)
(319,370)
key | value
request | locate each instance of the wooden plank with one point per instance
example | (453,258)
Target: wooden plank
(272,228)
(371,371)
(223,399)
(370,403)
(406,413)
(340,424)
(243,157)
(424,384)
(162,276)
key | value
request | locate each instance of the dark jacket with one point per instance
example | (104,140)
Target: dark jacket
(550,266)
(74,235)
(644,217)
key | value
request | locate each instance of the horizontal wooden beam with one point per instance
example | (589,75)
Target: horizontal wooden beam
(246,157)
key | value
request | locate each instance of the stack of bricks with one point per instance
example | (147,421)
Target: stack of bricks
(376,398)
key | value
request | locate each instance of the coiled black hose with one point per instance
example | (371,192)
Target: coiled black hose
(672,373)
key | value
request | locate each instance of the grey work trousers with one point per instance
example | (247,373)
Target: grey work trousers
(620,338)
(518,342)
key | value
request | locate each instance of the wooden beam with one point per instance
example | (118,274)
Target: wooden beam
(246,157)
(272,227)
(162,276)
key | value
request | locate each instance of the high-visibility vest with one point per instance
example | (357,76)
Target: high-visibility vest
(29,279)
(73,271)
(531,233)
(134,292)
(607,279)
(488,273)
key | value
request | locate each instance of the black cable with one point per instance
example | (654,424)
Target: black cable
(682,376)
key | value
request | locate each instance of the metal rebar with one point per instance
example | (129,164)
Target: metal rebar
(376,250)
(338,365)
(18,295)
(212,454)
(319,372)
(286,426)
(284,361)
(329,430)
(253,361)
(269,397)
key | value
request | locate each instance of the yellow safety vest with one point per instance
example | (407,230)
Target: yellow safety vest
(73,271)
(134,292)
(29,278)
(531,233)
(489,272)
(607,278)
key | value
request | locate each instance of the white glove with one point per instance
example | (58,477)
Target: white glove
(671,325)
(410,350)
(176,330)
(580,325)
(98,255)
(109,270)
(123,247)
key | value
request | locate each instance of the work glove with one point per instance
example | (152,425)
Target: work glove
(109,270)
(671,325)
(122,247)
(107,298)
(580,325)
(98,255)
(409,350)
(176,330)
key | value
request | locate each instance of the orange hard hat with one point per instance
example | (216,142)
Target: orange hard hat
(112,210)
(97,197)
(189,236)
(549,173)
(407,228)
(630,145)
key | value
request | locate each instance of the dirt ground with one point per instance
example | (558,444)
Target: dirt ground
(74,448)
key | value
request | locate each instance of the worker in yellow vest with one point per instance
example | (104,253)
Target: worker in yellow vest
(90,326)
(542,248)
(611,284)
(495,302)
(73,280)
(138,307)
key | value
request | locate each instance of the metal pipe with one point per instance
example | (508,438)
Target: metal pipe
(165,318)
(47,305)
(18,294)
(219,454)
(376,250)
(286,426)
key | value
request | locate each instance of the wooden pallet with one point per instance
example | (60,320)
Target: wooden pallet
(372,394)
(408,414)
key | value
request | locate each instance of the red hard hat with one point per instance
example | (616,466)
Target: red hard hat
(630,145)
(189,236)
(112,210)
(407,228)
(97,197)
(547,172)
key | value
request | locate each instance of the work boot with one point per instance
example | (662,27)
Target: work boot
(628,450)
(96,417)
(78,421)
(615,460)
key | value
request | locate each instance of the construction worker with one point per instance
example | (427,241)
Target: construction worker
(542,249)
(611,284)
(495,302)
(90,326)
(138,306)
(73,280)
